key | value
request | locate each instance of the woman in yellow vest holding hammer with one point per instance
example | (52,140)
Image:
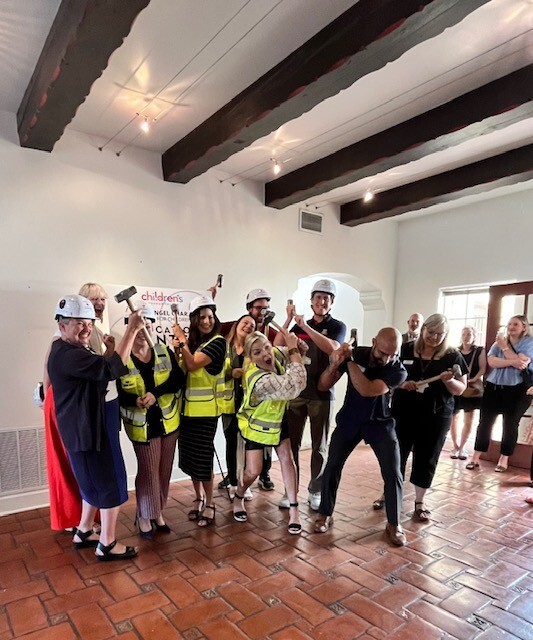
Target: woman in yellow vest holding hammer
(270,380)
(150,406)
(204,353)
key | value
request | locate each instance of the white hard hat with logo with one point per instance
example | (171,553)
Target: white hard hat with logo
(75,306)
(201,302)
(257,294)
(324,286)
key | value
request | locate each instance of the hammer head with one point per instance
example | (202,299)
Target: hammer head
(174,307)
(125,294)
(268,317)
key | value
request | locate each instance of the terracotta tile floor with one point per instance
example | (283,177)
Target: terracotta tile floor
(467,574)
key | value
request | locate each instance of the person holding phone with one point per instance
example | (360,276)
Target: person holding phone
(505,392)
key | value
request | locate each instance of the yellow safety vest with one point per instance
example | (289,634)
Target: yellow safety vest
(261,423)
(204,392)
(134,418)
(227,402)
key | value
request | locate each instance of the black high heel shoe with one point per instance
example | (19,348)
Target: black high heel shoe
(164,528)
(147,535)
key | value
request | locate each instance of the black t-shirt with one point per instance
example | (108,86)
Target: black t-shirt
(436,398)
(331,328)
(216,350)
(175,382)
(370,415)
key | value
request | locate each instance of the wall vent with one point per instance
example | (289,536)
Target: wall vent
(22,460)
(310,221)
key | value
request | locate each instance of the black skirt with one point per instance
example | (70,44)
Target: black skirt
(196,447)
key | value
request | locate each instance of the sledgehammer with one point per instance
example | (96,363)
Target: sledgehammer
(125,296)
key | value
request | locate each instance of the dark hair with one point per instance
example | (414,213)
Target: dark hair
(233,331)
(196,338)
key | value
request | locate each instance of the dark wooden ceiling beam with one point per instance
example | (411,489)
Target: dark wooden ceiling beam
(83,36)
(488,108)
(504,169)
(364,39)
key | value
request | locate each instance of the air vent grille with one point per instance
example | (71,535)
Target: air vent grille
(310,221)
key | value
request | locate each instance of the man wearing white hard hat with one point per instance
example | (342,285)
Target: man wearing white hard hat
(79,379)
(323,334)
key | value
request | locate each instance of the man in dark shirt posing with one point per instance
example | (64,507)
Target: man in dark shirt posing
(365,414)
(323,334)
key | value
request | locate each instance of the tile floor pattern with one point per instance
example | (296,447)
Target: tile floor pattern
(467,574)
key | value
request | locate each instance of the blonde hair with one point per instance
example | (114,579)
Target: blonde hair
(525,322)
(253,337)
(92,290)
(431,323)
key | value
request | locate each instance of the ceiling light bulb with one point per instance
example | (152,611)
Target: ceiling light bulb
(276,168)
(145,126)
(368,196)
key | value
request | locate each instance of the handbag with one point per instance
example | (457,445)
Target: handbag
(474,389)
(527,375)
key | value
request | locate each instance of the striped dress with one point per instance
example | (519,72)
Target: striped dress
(196,435)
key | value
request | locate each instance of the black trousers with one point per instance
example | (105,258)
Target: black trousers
(422,433)
(512,403)
(343,442)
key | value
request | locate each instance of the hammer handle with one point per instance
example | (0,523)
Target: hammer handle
(146,334)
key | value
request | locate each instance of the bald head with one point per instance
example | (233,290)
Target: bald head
(415,322)
(386,345)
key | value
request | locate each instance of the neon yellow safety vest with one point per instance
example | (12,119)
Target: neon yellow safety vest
(134,418)
(261,423)
(204,392)
(227,402)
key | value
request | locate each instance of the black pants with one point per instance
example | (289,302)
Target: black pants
(424,434)
(343,442)
(512,403)
(231,432)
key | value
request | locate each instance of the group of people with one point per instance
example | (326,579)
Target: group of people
(403,395)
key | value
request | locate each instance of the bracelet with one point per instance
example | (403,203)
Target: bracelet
(293,351)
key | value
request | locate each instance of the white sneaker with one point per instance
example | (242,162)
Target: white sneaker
(284,503)
(314,500)
(248,495)
(462,454)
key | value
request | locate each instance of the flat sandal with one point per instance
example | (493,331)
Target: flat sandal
(294,528)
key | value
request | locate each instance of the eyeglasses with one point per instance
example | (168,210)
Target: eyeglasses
(435,334)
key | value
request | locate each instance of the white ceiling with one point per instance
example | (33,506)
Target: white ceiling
(184,59)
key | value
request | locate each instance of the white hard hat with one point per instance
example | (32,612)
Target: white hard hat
(148,312)
(200,302)
(257,294)
(324,286)
(75,306)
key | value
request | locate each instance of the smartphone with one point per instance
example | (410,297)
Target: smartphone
(353,337)
(219,280)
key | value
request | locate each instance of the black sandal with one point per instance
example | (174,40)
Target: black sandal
(163,528)
(84,537)
(205,521)
(379,503)
(294,528)
(422,514)
(240,516)
(107,556)
(194,514)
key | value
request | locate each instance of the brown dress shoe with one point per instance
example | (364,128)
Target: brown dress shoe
(395,535)
(323,523)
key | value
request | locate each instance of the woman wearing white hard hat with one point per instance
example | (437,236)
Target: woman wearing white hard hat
(150,406)
(65,499)
(79,378)
(271,379)
(204,353)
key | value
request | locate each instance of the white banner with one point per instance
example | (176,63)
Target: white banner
(167,303)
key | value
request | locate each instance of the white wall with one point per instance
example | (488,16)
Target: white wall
(479,243)
(79,214)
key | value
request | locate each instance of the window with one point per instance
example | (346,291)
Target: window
(465,307)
